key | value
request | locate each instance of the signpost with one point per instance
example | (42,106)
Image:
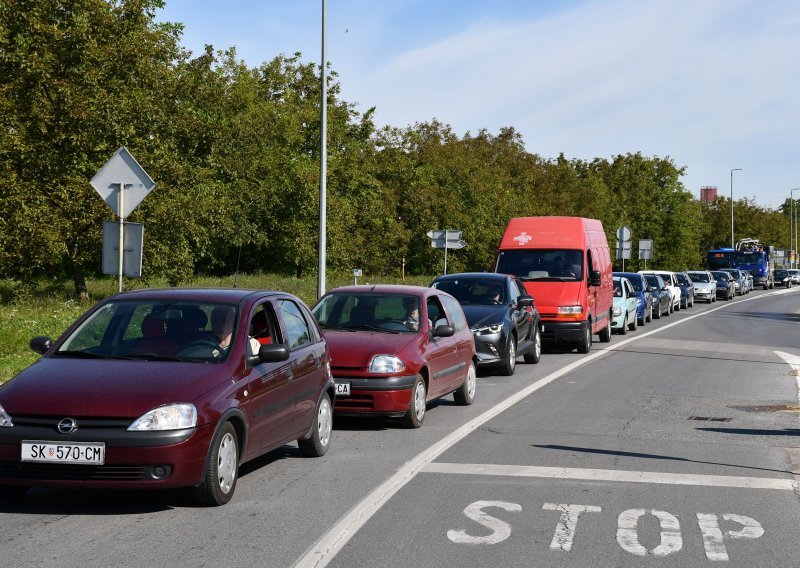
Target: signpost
(446,240)
(645,250)
(121,174)
(623,244)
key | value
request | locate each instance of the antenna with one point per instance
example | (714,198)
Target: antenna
(238,258)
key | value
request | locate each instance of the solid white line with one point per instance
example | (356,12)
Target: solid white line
(326,548)
(583,474)
(794,363)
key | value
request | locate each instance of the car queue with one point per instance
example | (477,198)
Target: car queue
(179,387)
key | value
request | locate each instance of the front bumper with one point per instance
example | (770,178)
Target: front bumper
(563,332)
(617,322)
(490,348)
(385,396)
(161,460)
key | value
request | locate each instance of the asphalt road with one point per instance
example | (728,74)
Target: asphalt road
(672,445)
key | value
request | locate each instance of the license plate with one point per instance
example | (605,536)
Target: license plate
(342,389)
(60,452)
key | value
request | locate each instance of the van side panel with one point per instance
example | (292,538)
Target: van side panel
(554,297)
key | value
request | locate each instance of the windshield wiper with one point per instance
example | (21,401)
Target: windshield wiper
(372,328)
(80,355)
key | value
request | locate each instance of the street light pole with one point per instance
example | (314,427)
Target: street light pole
(733,170)
(323,155)
(793,225)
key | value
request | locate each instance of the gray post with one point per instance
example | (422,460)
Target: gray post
(121,231)
(322,164)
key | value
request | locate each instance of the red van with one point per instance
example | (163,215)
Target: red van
(566,266)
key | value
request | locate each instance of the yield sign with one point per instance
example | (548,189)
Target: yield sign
(122,171)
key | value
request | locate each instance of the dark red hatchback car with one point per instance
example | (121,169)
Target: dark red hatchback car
(395,348)
(168,388)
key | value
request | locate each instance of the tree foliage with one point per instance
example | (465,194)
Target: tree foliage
(235,154)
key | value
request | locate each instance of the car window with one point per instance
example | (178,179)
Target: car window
(297,329)
(436,314)
(617,288)
(456,313)
(513,294)
(263,328)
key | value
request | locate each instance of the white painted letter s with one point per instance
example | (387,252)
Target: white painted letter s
(500,529)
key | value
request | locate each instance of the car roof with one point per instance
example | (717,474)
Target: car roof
(222,295)
(485,275)
(386,289)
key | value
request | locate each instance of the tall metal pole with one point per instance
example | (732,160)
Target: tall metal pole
(121,231)
(323,155)
(793,216)
(733,170)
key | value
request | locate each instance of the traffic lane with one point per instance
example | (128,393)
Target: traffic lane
(444,519)
(648,412)
(287,501)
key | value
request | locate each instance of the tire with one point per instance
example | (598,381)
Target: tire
(536,355)
(586,341)
(415,415)
(466,392)
(319,439)
(657,313)
(634,324)
(624,329)
(222,469)
(650,313)
(509,357)
(605,335)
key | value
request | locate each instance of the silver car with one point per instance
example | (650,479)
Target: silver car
(705,287)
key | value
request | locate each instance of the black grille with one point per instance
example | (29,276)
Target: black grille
(83,423)
(48,471)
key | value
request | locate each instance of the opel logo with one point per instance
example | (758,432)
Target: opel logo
(67,425)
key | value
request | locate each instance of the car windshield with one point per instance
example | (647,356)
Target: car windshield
(652,279)
(178,331)
(699,277)
(781,274)
(542,264)
(473,291)
(390,313)
(721,276)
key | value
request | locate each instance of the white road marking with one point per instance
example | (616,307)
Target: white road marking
(329,544)
(583,474)
(501,530)
(565,529)
(628,533)
(713,535)
(794,363)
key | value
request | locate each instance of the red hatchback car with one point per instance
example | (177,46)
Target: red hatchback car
(394,348)
(168,388)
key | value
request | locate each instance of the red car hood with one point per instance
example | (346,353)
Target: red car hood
(354,350)
(109,388)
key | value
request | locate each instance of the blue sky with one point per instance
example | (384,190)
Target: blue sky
(713,84)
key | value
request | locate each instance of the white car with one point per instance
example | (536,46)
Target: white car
(672,285)
(705,287)
(794,274)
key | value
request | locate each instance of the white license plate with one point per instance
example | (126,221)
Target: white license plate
(61,452)
(342,389)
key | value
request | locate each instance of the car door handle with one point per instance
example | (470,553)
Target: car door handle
(289,375)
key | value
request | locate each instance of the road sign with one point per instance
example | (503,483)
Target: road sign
(453,245)
(645,249)
(132,259)
(122,171)
(624,233)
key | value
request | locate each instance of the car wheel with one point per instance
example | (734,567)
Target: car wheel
(536,355)
(585,343)
(466,392)
(222,468)
(650,314)
(605,334)
(624,329)
(510,357)
(633,323)
(657,313)
(415,415)
(318,441)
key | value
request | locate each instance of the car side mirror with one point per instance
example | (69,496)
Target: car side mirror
(270,353)
(524,301)
(40,344)
(444,331)
(595,279)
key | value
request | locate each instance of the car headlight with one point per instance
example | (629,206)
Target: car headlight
(169,417)
(5,419)
(616,311)
(386,364)
(487,329)
(570,310)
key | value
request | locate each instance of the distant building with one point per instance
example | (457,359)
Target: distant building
(708,193)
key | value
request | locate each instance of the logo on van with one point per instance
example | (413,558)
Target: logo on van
(523,238)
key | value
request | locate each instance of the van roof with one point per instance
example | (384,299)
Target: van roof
(546,232)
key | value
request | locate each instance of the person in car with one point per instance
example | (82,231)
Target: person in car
(412,313)
(559,269)
(217,345)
